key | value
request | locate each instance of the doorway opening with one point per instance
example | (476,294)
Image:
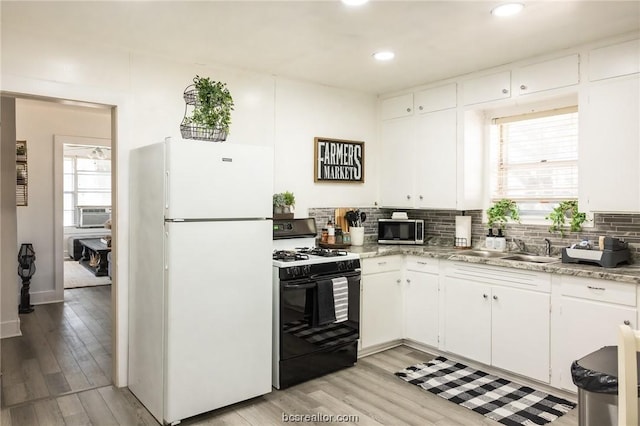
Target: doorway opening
(79,313)
(86,204)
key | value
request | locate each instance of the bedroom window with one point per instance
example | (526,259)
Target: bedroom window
(534,159)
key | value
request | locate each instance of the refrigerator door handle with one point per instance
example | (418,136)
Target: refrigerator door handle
(166,189)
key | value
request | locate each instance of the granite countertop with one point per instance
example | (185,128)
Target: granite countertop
(623,273)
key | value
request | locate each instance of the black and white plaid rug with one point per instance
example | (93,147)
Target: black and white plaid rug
(501,400)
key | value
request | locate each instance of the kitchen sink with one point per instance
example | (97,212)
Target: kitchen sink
(482,253)
(531,258)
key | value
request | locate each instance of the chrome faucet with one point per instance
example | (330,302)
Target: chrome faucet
(520,245)
(547,247)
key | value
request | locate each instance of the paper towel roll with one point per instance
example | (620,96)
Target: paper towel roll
(463,231)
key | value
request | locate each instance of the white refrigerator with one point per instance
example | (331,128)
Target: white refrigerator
(200,276)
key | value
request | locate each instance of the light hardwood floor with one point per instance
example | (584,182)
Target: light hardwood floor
(58,373)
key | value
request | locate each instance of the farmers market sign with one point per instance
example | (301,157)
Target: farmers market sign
(337,160)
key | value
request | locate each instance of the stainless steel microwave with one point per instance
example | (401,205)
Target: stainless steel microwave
(401,231)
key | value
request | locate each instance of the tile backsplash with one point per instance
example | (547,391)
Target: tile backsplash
(440,228)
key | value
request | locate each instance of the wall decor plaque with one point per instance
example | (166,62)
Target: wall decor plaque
(338,160)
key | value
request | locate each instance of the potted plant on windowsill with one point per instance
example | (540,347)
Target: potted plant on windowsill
(563,211)
(211,116)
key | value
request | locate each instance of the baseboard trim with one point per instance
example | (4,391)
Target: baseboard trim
(44,297)
(10,329)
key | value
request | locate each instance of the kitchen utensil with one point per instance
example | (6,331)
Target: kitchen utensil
(363,217)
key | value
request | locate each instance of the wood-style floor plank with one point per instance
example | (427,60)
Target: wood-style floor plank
(58,373)
(48,412)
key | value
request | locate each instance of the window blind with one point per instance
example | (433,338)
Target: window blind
(535,156)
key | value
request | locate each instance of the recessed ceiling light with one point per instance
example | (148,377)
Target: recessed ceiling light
(355,2)
(384,55)
(507,9)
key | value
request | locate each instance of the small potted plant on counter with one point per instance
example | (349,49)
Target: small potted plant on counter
(497,215)
(283,203)
(563,211)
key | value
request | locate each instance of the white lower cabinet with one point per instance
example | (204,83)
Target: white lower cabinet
(467,319)
(421,301)
(586,319)
(381,301)
(499,316)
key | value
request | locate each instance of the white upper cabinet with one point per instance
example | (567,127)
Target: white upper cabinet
(436,160)
(613,61)
(397,163)
(552,74)
(436,99)
(396,107)
(609,148)
(487,88)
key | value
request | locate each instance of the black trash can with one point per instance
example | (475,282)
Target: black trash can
(596,376)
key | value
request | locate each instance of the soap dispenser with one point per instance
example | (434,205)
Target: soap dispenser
(500,242)
(490,240)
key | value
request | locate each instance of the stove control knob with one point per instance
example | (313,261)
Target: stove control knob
(306,270)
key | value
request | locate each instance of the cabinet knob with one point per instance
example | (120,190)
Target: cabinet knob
(408,197)
(523,87)
(408,109)
(408,281)
(484,296)
(627,322)
(421,197)
(420,107)
(398,281)
(495,297)
(505,91)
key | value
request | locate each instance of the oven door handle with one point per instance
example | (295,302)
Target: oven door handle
(336,275)
(300,286)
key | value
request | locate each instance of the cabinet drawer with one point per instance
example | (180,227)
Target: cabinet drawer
(381,264)
(423,264)
(599,290)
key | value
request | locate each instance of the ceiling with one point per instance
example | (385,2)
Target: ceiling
(328,43)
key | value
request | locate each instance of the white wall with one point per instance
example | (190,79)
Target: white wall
(9,319)
(37,122)
(147,94)
(304,111)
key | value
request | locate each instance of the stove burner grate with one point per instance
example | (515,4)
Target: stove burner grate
(323,252)
(289,255)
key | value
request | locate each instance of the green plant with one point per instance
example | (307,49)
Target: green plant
(214,105)
(278,200)
(559,215)
(289,199)
(497,214)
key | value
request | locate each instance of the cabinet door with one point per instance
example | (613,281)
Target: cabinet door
(421,307)
(437,99)
(381,308)
(584,327)
(397,163)
(487,88)
(609,149)
(396,107)
(614,61)
(436,154)
(467,317)
(520,332)
(547,75)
